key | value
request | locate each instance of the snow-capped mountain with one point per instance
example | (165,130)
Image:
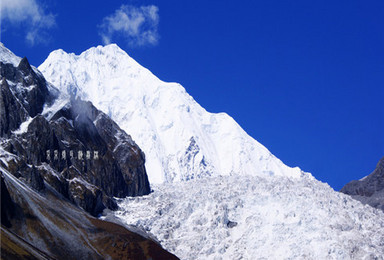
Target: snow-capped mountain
(180,139)
(249,205)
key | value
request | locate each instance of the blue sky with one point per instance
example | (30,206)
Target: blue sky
(305,78)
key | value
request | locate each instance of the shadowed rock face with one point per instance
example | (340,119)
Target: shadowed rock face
(12,113)
(369,190)
(111,165)
(89,182)
(7,205)
(26,95)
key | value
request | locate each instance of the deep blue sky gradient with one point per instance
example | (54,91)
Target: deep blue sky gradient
(304,78)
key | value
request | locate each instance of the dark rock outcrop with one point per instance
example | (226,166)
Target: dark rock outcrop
(118,170)
(12,113)
(23,93)
(35,180)
(77,149)
(370,189)
(7,205)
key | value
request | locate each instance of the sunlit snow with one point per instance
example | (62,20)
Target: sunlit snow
(276,218)
(180,139)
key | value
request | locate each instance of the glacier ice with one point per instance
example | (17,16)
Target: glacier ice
(277,218)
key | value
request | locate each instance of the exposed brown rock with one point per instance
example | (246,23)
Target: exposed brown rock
(62,231)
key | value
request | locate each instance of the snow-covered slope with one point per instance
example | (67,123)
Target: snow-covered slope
(181,140)
(6,56)
(251,217)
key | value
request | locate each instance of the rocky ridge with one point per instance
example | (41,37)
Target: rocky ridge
(370,189)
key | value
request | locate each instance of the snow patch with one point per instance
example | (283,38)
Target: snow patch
(23,127)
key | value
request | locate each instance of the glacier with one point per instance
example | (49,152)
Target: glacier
(181,140)
(254,217)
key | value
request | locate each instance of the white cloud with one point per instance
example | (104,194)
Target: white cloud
(137,25)
(31,15)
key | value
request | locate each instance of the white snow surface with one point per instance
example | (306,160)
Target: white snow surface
(277,218)
(6,56)
(180,139)
(23,127)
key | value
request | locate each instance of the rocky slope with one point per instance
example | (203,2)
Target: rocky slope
(44,225)
(58,160)
(370,189)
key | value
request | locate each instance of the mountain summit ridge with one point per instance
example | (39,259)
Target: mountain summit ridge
(181,140)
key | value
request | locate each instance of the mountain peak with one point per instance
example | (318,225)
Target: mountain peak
(110,50)
(162,118)
(113,47)
(99,65)
(25,66)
